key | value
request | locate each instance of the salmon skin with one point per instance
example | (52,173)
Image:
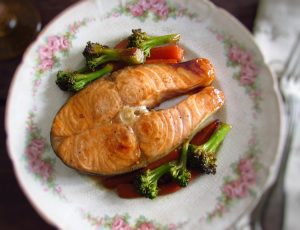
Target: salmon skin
(110,127)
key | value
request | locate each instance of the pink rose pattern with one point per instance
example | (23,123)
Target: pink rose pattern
(55,46)
(234,189)
(37,163)
(248,68)
(239,188)
(122,223)
(47,57)
(160,9)
(34,151)
(48,52)
(146,226)
(249,71)
(241,184)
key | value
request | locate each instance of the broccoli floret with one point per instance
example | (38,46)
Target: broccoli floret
(144,42)
(75,81)
(178,171)
(203,157)
(147,182)
(97,54)
(93,50)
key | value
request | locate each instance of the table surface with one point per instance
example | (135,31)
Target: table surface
(15,210)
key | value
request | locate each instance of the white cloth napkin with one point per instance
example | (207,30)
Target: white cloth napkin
(276,30)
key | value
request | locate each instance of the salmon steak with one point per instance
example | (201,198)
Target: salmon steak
(111,126)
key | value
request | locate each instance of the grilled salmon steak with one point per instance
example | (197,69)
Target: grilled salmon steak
(109,127)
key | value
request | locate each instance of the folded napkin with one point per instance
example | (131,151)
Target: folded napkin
(276,30)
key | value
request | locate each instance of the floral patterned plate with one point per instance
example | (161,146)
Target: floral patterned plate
(246,160)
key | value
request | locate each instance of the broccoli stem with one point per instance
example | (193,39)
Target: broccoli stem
(184,153)
(216,139)
(75,81)
(178,171)
(88,77)
(160,40)
(93,63)
(156,174)
(129,55)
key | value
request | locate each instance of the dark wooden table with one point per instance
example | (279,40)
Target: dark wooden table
(15,210)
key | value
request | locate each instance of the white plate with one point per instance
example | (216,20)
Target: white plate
(245,162)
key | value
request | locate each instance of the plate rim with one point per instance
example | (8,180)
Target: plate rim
(280,105)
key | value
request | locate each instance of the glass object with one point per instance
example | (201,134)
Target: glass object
(19,23)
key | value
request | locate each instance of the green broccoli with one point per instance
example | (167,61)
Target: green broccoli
(178,171)
(75,81)
(93,50)
(145,42)
(147,182)
(97,54)
(203,157)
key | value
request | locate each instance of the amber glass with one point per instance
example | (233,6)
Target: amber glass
(19,24)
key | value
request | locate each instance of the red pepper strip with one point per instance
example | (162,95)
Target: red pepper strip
(166,52)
